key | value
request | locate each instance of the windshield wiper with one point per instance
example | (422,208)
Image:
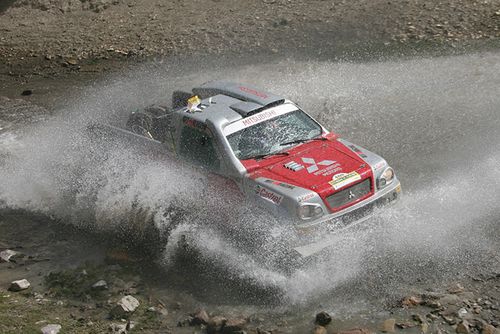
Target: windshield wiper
(296,141)
(265,155)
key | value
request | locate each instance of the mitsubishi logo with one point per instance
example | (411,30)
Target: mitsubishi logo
(314,166)
(351,194)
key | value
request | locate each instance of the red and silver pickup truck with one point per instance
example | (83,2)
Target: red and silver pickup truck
(278,155)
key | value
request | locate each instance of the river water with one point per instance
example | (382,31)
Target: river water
(435,120)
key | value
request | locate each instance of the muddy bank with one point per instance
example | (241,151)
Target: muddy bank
(45,37)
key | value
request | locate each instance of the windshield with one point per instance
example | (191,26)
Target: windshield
(268,137)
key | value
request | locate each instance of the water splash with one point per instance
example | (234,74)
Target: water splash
(435,120)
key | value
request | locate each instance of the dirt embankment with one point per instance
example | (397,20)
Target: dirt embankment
(48,36)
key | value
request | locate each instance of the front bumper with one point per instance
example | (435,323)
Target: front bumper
(346,218)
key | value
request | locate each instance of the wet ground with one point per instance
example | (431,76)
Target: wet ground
(435,120)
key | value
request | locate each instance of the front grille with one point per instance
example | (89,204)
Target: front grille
(349,195)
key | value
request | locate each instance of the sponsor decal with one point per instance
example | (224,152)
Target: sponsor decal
(342,179)
(193,123)
(379,165)
(356,150)
(313,165)
(306,197)
(281,184)
(258,118)
(269,195)
(332,167)
(253,92)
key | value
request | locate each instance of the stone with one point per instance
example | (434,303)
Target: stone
(27,92)
(122,328)
(418,318)
(51,329)
(200,317)
(234,325)
(125,306)
(411,301)
(7,254)
(19,285)
(462,313)
(405,325)
(319,330)
(449,320)
(463,328)
(323,318)
(489,329)
(215,324)
(433,304)
(456,288)
(100,285)
(356,331)
(72,61)
(388,326)
(450,299)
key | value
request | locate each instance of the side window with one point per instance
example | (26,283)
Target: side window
(197,145)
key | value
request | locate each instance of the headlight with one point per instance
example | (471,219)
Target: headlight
(309,211)
(386,178)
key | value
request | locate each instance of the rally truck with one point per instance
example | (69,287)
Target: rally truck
(275,154)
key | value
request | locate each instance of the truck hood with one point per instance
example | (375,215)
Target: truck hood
(317,165)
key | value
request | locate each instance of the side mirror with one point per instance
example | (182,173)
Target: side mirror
(331,136)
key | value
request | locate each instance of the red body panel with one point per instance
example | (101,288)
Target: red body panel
(313,165)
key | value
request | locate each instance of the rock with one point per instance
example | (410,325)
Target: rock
(424,327)
(51,329)
(356,331)
(411,301)
(72,61)
(234,325)
(100,285)
(323,318)
(433,304)
(449,320)
(121,328)
(462,313)
(7,254)
(450,299)
(19,285)
(185,322)
(200,318)
(456,288)
(463,328)
(388,326)
(418,318)
(319,330)
(124,307)
(27,92)
(215,324)
(489,329)
(405,325)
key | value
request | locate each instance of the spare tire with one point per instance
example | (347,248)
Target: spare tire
(141,123)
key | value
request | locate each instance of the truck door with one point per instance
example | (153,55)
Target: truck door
(198,146)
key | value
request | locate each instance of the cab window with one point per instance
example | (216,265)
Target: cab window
(197,145)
